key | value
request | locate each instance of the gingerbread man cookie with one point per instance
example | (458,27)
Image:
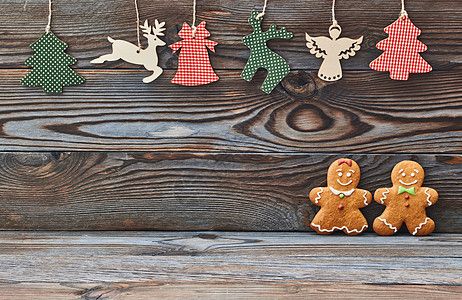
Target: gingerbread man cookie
(405,201)
(340,200)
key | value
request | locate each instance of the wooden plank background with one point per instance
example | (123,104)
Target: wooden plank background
(115,153)
(168,290)
(184,191)
(113,111)
(149,259)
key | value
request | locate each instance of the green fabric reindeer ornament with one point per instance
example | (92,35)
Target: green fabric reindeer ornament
(262,57)
(51,65)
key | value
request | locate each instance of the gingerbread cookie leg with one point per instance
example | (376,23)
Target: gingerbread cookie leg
(386,224)
(356,224)
(420,227)
(322,226)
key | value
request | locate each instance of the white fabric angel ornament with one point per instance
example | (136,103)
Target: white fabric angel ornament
(332,50)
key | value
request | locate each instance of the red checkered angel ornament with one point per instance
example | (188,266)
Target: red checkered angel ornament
(401,50)
(194,66)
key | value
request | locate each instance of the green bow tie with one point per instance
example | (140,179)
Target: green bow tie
(403,190)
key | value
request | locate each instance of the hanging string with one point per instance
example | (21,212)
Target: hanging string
(193,27)
(403,10)
(334,21)
(137,25)
(47,29)
(263,12)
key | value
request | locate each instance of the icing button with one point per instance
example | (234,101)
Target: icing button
(407,204)
(340,207)
(406,197)
(341,196)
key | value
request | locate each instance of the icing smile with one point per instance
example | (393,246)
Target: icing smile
(410,183)
(344,183)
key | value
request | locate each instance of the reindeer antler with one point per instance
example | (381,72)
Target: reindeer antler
(146,28)
(158,28)
(274,33)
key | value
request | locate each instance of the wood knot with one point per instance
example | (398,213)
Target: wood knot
(105,291)
(300,84)
(34,160)
(308,118)
(207,236)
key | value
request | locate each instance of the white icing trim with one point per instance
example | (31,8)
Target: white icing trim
(420,226)
(347,193)
(364,196)
(417,171)
(319,195)
(410,183)
(339,228)
(345,184)
(428,198)
(388,224)
(400,171)
(384,197)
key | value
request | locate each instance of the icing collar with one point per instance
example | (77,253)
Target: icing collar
(347,193)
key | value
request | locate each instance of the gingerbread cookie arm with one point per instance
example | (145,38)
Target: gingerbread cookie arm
(381,196)
(431,196)
(316,195)
(365,198)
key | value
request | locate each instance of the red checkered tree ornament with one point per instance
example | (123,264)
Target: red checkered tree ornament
(401,50)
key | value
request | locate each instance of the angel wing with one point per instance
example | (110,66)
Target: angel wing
(318,45)
(348,47)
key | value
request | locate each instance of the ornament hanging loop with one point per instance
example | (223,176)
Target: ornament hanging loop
(193,25)
(138,26)
(260,15)
(334,21)
(48,27)
(403,13)
(194,29)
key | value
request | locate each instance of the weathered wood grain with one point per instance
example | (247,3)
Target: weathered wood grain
(184,191)
(171,290)
(84,25)
(114,110)
(230,258)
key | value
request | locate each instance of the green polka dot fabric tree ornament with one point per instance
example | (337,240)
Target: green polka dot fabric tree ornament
(51,64)
(261,56)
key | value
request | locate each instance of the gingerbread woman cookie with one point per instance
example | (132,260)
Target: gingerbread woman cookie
(405,201)
(340,200)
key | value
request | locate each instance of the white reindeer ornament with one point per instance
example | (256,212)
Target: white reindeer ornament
(135,54)
(332,50)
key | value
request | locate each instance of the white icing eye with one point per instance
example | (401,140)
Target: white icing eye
(412,174)
(403,174)
(340,174)
(348,174)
